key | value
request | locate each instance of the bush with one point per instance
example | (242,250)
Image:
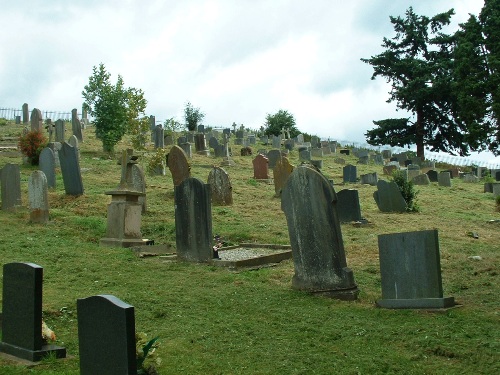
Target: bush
(407,190)
(32,144)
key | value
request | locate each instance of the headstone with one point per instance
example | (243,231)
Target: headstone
(277,142)
(25,113)
(73,142)
(386,154)
(300,138)
(138,183)
(213,142)
(219,151)
(190,137)
(221,188)
(316,163)
(316,153)
(178,164)
(11,187)
(50,128)
(181,140)
(350,173)
(38,197)
(201,145)
(168,140)
(315,141)
(260,167)
(159,137)
(421,179)
(152,128)
(18,120)
(469,178)
(188,150)
(60,131)
(193,221)
(201,129)
(433,175)
(345,152)
(36,120)
(22,313)
(273,155)
(251,139)
(70,168)
(281,172)
(378,159)
(265,140)
(390,168)
(497,176)
(444,179)
(388,197)
(47,164)
(305,155)
(369,178)
(309,203)
(106,336)
(411,272)
(76,126)
(495,190)
(348,207)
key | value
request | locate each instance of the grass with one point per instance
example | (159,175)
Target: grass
(212,321)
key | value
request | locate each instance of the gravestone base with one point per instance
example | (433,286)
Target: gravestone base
(417,303)
(39,216)
(227,162)
(340,294)
(33,355)
(123,242)
(203,152)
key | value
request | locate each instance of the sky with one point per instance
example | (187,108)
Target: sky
(236,60)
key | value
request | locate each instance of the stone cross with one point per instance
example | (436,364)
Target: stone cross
(128,159)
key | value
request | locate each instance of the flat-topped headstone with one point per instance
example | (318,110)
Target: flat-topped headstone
(221,188)
(36,120)
(178,165)
(60,128)
(386,154)
(469,178)
(70,168)
(348,207)
(47,164)
(309,203)
(188,149)
(38,197)
(350,173)
(159,137)
(369,178)
(25,113)
(411,272)
(273,156)
(389,169)
(305,155)
(193,221)
(345,152)
(11,187)
(22,313)
(276,142)
(106,336)
(281,172)
(444,179)
(260,167)
(316,153)
(388,197)
(76,125)
(433,175)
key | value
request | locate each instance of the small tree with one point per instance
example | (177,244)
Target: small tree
(31,145)
(115,108)
(172,126)
(193,116)
(280,120)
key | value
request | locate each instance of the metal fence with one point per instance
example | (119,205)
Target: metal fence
(11,113)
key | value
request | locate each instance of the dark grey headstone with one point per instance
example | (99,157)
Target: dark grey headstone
(213,143)
(273,156)
(316,153)
(497,176)
(193,220)
(70,168)
(369,178)
(106,336)
(388,197)
(350,173)
(433,175)
(221,188)
(47,164)
(305,155)
(60,131)
(181,140)
(309,203)
(421,179)
(138,183)
(348,207)
(22,313)
(36,120)
(76,125)
(410,271)
(345,152)
(159,137)
(11,187)
(444,179)
(25,113)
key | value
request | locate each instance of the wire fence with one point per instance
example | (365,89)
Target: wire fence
(12,113)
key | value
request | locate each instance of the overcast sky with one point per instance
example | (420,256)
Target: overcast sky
(237,60)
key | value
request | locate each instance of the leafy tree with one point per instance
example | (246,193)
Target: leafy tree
(278,121)
(476,77)
(418,63)
(115,108)
(172,126)
(193,116)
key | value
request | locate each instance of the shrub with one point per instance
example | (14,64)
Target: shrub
(32,144)
(407,190)
(157,161)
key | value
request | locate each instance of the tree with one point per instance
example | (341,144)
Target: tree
(193,116)
(476,77)
(418,63)
(115,108)
(280,120)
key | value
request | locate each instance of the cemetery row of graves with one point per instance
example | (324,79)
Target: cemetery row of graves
(356,253)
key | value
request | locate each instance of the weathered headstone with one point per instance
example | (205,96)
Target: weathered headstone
(221,188)
(36,120)
(316,163)
(178,165)
(193,221)
(159,138)
(60,131)
(25,113)
(70,169)
(469,178)
(106,336)
(350,173)
(316,153)
(305,155)
(411,272)
(11,187)
(47,164)
(73,142)
(260,167)
(138,183)
(281,172)
(273,155)
(213,143)
(38,198)
(369,178)
(22,313)
(444,179)
(345,152)
(433,175)
(309,203)
(388,197)
(348,207)
(386,154)
(188,150)
(276,142)
(76,125)
(421,179)
(168,140)
(390,168)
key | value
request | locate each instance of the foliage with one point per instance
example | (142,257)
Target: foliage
(193,116)
(147,358)
(407,190)
(114,107)
(278,121)
(139,132)
(31,145)
(156,161)
(3,122)
(172,126)
(418,64)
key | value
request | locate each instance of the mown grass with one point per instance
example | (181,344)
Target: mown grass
(214,321)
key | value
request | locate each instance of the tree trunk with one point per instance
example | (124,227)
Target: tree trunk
(419,135)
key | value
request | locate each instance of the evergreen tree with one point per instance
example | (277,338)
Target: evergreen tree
(282,119)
